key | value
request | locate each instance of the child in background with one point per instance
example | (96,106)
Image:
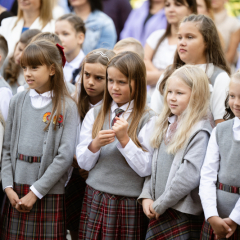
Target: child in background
(93,81)
(170,197)
(117,154)
(13,72)
(220,185)
(36,159)
(71,31)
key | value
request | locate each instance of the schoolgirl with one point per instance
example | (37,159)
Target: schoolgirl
(92,84)
(71,31)
(220,185)
(199,44)
(170,197)
(36,158)
(117,154)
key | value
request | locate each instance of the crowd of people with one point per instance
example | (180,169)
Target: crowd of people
(118,123)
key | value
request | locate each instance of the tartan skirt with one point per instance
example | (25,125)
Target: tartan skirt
(46,220)
(106,216)
(74,193)
(207,232)
(175,225)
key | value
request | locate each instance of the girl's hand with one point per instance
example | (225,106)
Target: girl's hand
(232,225)
(26,203)
(83,173)
(103,138)
(12,196)
(120,128)
(75,163)
(154,212)
(219,226)
(146,208)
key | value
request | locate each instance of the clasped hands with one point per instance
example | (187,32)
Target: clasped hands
(23,205)
(148,209)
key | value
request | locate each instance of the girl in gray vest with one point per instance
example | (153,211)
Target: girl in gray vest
(170,197)
(220,184)
(115,149)
(38,148)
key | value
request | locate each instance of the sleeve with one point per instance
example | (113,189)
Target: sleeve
(124,11)
(219,94)
(127,30)
(63,160)
(146,191)
(86,159)
(153,39)
(157,99)
(139,160)
(235,214)
(187,177)
(5,97)
(209,172)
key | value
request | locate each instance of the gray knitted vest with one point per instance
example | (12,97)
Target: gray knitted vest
(112,174)
(228,173)
(216,72)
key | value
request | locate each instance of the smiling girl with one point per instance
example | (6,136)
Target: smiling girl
(170,197)
(199,44)
(36,158)
(114,148)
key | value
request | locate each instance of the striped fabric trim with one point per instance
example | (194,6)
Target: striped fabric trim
(29,159)
(228,188)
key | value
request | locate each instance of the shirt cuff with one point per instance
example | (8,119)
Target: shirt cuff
(33,189)
(8,187)
(235,216)
(210,212)
(129,150)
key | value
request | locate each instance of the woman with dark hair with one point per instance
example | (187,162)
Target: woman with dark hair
(101,32)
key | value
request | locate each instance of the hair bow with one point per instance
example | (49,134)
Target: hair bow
(62,54)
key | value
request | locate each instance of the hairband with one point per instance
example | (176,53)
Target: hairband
(60,48)
(102,54)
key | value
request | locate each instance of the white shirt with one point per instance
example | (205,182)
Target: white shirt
(71,66)
(218,93)
(137,159)
(5,97)
(209,173)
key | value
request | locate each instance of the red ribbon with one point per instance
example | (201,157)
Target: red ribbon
(62,54)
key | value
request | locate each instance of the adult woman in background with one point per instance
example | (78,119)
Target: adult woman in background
(32,14)
(100,29)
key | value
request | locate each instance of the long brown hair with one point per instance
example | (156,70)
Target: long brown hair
(133,67)
(12,70)
(44,52)
(192,5)
(214,51)
(83,102)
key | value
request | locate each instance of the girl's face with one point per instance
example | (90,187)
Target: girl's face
(218,4)
(234,97)
(191,45)
(71,40)
(94,80)
(202,7)
(18,52)
(29,5)
(38,77)
(78,3)
(175,11)
(118,87)
(178,95)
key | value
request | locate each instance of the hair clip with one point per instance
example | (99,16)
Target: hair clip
(60,48)
(102,54)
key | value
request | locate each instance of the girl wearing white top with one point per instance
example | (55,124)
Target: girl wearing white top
(162,44)
(220,185)
(35,14)
(199,44)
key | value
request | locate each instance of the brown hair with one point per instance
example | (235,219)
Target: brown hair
(44,52)
(45,15)
(12,70)
(48,36)
(76,22)
(209,8)
(133,67)
(214,52)
(92,57)
(3,47)
(192,5)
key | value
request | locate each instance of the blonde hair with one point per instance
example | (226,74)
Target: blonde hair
(45,15)
(130,42)
(197,109)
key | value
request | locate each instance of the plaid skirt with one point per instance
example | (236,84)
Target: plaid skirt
(106,216)
(175,225)
(46,220)
(207,232)
(74,193)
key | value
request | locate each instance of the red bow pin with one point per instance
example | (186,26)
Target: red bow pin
(62,54)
